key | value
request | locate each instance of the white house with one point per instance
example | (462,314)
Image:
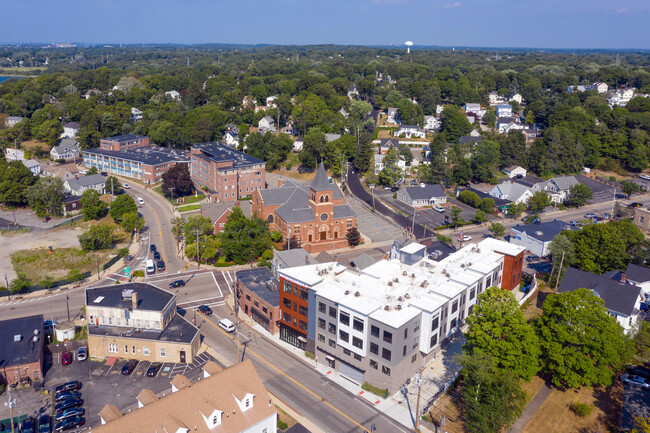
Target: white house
(471,107)
(289,129)
(70,130)
(231,138)
(431,123)
(517,97)
(84,183)
(344,113)
(12,121)
(558,187)
(503,110)
(271,101)
(297,145)
(353,92)
(33,166)
(621,97)
(495,98)
(174,95)
(411,131)
(536,238)
(12,154)
(439,109)
(67,149)
(423,195)
(392,115)
(511,125)
(514,171)
(379,163)
(136,115)
(385,144)
(266,123)
(601,87)
(511,191)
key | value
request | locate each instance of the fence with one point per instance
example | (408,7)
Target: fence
(427,405)
(68,221)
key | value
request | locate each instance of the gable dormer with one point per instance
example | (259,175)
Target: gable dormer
(246,402)
(212,419)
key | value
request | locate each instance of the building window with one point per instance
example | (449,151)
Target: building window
(357,357)
(321,307)
(414,358)
(344,318)
(321,338)
(404,351)
(357,325)
(286,317)
(452,325)
(302,310)
(126,348)
(374,331)
(434,323)
(257,304)
(388,337)
(145,350)
(133,350)
(304,294)
(373,364)
(302,325)
(357,342)
(454,307)
(287,287)
(347,352)
(287,303)
(332,343)
(112,348)
(472,293)
(321,323)
(385,353)
(248,297)
(406,333)
(331,328)
(162,352)
(374,348)
(332,312)
(434,341)
(344,336)
(385,370)
(265,310)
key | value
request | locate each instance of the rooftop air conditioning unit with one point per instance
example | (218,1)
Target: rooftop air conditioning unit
(18,338)
(357,294)
(399,306)
(413,275)
(400,299)
(347,292)
(387,308)
(404,273)
(407,296)
(390,283)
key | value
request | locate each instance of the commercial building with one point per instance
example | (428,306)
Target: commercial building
(258,297)
(123,142)
(138,321)
(230,401)
(642,219)
(383,323)
(316,218)
(21,350)
(423,195)
(291,258)
(536,238)
(227,174)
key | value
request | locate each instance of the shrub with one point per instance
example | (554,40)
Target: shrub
(581,409)
(123,252)
(282,425)
(74,275)
(309,355)
(139,273)
(395,195)
(267,255)
(612,178)
(469,198)
(276,236)
(288,166)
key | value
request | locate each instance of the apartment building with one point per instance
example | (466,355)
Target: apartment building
(385,322)
(138,321)
(227,174)
(122,142)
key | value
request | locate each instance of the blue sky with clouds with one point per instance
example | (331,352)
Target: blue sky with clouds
(479,23)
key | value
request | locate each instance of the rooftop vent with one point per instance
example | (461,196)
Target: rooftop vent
(538,233)
(413,275)
(387,308)
(357,294)
(35,338)
(400,299)
(407,296)
(396,280)
(127,293)
(404,273)
(18,338)
(347,292)
(390,283)
(399,306)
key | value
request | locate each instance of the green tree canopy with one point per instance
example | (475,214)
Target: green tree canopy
(539,201)
(98,237)
(579,194)
(131,221)
(454,123)
(112,186)
(14,180)
(122,204)
(243,240)
(92,206)
(46,196)
(497,230)
(177,181)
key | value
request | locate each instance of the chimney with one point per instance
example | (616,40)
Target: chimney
(280,182)
(623,278)
(134,300)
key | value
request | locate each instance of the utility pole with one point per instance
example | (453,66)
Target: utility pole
(559,271)
(417,405)
(67,305)
(613,201)
(10,403)
(413,223)
(198,253)
(289,240)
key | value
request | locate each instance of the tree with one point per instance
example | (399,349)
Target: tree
(629,188)
(469,198)
(492,398)
(454,123)
(313,148)
(131,221)
(391,173)
(516,209)
(490,118)
(45,197)
(113,186)
(560,246)
(539,201)
(353,236)
(581,344)
(456,219)
(579,194)
(485,161)
(480,217)
(122,204)
(92,170)
(14,180)
(243,240)
(359,111)
(487,205)
(197,224)
(497,230)
(92,206)
(98,237)
(499,329)
(177,181)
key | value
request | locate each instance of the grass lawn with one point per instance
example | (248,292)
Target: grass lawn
(188,199)
(286,418)
(294,173)
(555,415)
(446,405)
(189,208)
(21,72)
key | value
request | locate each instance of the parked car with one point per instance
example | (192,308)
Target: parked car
(129,367)
(69,424)
(66,358)
(635,380)
(590,215)
(607,216)
(82,353)
(152,247)
(394,189)
(177,283)
(140,201)
(634,205)
(226,325)
(67,404)
(156,255)
(204,309)
(48,325)
(464,238)
(532,258)
(44,424)
(160,265)
(644,176)
(67,395)
(574,223)
(103,173)
(152,371)
(73,385)
(70,413)
(27,426)
(438,208)
(128,258)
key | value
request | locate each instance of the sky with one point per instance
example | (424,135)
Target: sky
(607,24)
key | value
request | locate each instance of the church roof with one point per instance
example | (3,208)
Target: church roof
(321,181)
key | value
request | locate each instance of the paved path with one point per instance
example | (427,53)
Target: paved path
(531,410)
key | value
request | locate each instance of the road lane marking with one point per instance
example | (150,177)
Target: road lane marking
(248,350)
(226,280)
(215,282)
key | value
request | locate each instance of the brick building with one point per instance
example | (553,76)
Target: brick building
(227,174)
(21,350)
(316,217)
(122,142)
(257,293)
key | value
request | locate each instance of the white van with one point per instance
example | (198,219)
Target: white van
(150,267)
(140,200)
(227,325)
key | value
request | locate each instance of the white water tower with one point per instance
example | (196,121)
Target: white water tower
(408,44)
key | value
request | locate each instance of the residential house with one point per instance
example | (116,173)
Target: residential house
(362,261)
(507,124)
(271,102)
(495,98)
(12,121)
(33,166)
(536,238)
(91,92)
(622,299)
(258,297)
(290,259)
(558,188)
(332,137)
(70,130)
(379,163)
(138,321)
(439,109)
(621,97)
(259,108)
(67,149)
(512,191)
(410,131)
(266,124)
(642,219)
(640,276)
(516,97)
(218,213)
(14,154)
(136,115)
(530,134)
(248,102)
(392,115)
(233,400)
(385,144)
(297,144)
(472,118)
(601,87)
(423,195)
(513,171)
(353,92)
(21,350)
(71,204)
(500,205)
(431,123)
(472,107)
(289,129)
(80,185)
(316,217)
(231,138)
(503,110)
(174,95)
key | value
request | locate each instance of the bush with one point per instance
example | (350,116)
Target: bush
(276,236)
(309,355)
(267,255)
(581,409)
(99,237)
(282,425)
(469,198)
(395,195)
(123,252)
(288,166)
(74,275)
(612,178)
(375,390)
(139,273)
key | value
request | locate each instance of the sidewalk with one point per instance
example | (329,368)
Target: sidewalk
(531,409)
(395,407)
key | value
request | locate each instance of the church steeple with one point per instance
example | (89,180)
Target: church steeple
(321,181)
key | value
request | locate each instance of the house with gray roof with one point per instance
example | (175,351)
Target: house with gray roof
(12,121)
(622,299)
(536,238)
(512,191)
(79,185)
(33,166)
(68,148)
(362,261)
(266,124)
(392,115)
(423,195)
(290,259)
(558,188)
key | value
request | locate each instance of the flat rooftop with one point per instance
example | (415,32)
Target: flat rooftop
(124,138)
(16,340)
(261,282)
(178,330)
(218,152)
(149,297)
(149,155)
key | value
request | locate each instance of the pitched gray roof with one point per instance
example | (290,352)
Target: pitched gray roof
(363,261)
(324,257)
(71,125)
(295,257)
(93,179)
(65,145)
(296,209)
(545,231)
(425,192)
(321,181)
(618,297)
(566,182)
(386,142)
(636,273)
(343,211)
